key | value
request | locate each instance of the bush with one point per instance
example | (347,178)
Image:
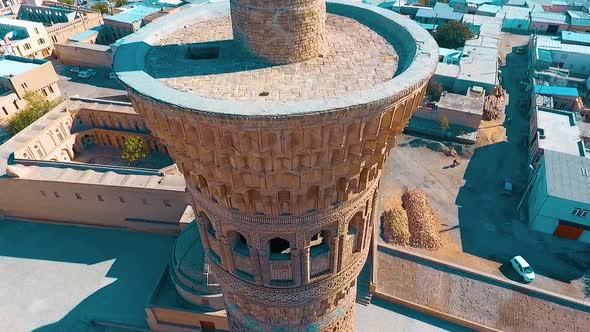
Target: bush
(102,7)
(119,3)
(443,123)
(67,2)
(134,150)
(452,34)
(37,105)
(395,226)
(422,222)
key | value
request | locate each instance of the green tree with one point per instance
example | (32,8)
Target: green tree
(134,150)
(424,2)
(452,34)
(67,2)
(443,123)
(119,3)
(37,105)
(434,91)
(102,7)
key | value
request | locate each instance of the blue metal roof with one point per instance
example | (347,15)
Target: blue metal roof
(487,8)
(579,18)
(14,65)
(571,37)
(134,14)
(556,90)
(86,34)
(442,11)
(548,17)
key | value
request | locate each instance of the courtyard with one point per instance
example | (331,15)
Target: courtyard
(106,155)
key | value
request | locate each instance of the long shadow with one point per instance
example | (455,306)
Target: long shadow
(491,227)
(109,274)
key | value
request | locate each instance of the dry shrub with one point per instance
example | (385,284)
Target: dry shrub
(423,224)
(395,226)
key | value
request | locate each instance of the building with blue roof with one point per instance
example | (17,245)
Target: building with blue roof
(488,10)
(579,20)
(440,14)
(127,21)
(549,51)
(550,90)
(571,37)
(548,22)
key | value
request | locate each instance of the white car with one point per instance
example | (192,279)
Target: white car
(75,70)
(84,74)
(91,71)
(523,268)
(112,76)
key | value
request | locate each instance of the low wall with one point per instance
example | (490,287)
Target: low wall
(468,297)
(84,55)
(455,117)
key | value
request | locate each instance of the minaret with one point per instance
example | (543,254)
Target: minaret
(284,177)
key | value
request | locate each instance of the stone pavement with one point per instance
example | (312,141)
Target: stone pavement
(355,58)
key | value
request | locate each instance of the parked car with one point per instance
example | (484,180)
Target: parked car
(75,70)
(84,74)
(112,76)
(523,268)
(91,71)
(521,50)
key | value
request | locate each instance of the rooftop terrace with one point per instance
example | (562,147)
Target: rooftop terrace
(354,58)
(559,132)
(371,54)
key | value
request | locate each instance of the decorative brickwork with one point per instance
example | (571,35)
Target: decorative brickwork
(280,31)
(283,185)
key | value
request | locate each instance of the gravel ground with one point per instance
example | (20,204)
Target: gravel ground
(487,303)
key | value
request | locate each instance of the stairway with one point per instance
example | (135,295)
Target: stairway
(363,296)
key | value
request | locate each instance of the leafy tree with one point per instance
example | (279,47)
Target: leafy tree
(443,122)
(134,150)
(424,2)
(102,7)
(68,2)
(37,105)
(452,34)
(119,3)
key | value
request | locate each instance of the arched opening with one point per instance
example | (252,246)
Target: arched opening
(319,244)
(340,190)
(239,243)
(363,180)
(313,198)
(280,249)
(355,231)
(284,202)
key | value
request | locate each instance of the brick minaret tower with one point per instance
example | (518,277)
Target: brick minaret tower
(282,160)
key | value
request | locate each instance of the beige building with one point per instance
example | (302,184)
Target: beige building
(24,38)
(282,165)
(19,75)
(80,19)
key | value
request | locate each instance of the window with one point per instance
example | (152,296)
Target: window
(207,325)
(54,38)
(50,88)
(280,249)
(100,198)
(122,199)
(78,196)
(27,46)
(41,41)
(43,193)
(56,194)
(36,31)
(580,212)
(44,92)
(4,110)
(15,105)
(167,203)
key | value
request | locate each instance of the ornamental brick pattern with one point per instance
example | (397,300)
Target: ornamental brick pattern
(283,183)
(280,31)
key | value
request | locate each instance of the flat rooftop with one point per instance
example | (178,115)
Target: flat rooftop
(12,66)
(462,103)
(568,176)
(560,130)
(355,58)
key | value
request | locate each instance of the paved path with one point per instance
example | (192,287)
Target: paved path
(383,316)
